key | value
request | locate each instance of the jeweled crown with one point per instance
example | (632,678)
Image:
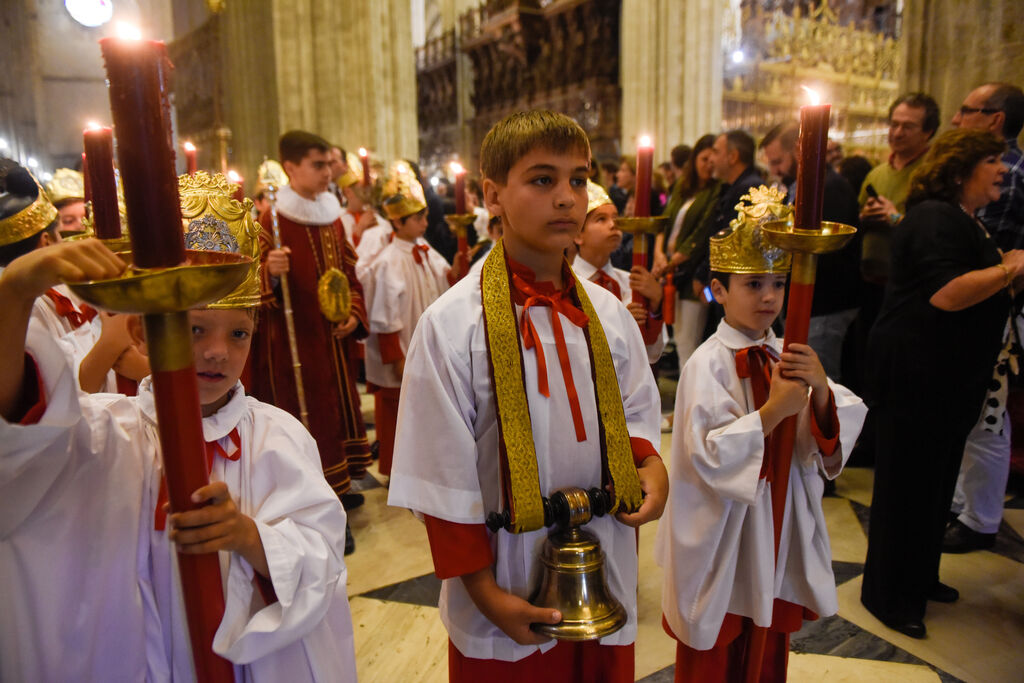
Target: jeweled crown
(741,248)
(597,196)
(402,194)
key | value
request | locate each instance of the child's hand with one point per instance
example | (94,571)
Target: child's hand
(785,397)
(800,361)
(641,280)
(654,483)
(342,330)
(460,266)
(399,366)
(510,613)
(639,312)
(218,526)
(114,332)
(29,276)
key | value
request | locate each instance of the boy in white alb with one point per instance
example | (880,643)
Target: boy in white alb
(280,526)
(406,277)
(526,312)
(596,242)
(716,542)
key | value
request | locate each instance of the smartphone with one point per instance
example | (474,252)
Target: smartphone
(872,192)
(708,296)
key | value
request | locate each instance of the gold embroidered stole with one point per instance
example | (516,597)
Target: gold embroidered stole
(520,476)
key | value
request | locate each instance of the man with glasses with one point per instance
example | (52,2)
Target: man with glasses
(978,501)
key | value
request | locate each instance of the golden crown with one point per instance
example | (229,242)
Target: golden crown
(66,184)
(741,248)
(270,173)
(31,220)
(402,193)
(354,174)
(214,221)
(597,196)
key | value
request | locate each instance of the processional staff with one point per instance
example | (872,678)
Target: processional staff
(273,177)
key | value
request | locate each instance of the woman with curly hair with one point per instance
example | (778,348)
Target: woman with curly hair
(930,359)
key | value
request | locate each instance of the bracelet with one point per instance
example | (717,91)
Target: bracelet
(1006,274)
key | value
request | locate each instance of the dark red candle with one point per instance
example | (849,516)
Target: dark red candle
(99,156)
(86,187)
(364,158)
(810,167)
(239,181)
(190,158)
(137,73)
(644,169)
(460,187)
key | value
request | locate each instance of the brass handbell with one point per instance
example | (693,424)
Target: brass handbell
(572,571)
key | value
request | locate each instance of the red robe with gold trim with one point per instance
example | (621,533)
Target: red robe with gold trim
(328,375)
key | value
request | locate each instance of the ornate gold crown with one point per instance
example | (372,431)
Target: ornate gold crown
(31,220)
(402,193)
(270,173)
(214,221)
(66,184)
(354,174)
(596,196)
(741,248)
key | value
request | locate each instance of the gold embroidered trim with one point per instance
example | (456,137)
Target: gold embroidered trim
(31,220)
(521,480)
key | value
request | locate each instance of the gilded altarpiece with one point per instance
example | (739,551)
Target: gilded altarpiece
(771,54)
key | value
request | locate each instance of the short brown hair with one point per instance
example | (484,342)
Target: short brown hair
(520,133)
(920,100)
(950,161)
(786,133)
(294,145)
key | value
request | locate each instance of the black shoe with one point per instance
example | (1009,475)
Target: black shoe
(912,627)
(350,541)
(960,538)
(943,593)
(350,501)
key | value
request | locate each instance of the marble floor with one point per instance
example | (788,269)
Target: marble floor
(399,637)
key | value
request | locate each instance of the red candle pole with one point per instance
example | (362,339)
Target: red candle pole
(642,204)
(809,198)
(364,159)
(137,78)
(87,187)
(99,155)
(190,158)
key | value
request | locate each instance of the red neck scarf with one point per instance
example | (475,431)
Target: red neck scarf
(66,309)
(608,282)
(755,363)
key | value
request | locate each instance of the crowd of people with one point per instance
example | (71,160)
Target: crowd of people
(504,368)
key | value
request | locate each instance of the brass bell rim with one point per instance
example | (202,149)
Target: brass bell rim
(579,630)
(831,237)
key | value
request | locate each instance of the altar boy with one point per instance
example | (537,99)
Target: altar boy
(716,542)
(524,334)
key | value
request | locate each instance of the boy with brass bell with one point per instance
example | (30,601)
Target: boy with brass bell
(540,385)
(717,543)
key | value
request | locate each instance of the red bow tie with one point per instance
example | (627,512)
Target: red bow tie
(66,309)
(608,282)
(419,253)
(213,449)
(559,303)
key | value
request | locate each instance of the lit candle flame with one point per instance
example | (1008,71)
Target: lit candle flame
(457,168)
(189,147)
(645,141)
(128,31)
(363,152)
(812,95)
(233,176)
(93,125)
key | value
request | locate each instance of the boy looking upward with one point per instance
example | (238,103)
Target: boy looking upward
(596,242)
(716,542)
(527,311)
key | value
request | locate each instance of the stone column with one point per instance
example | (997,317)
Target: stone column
(671,71)
(988,40)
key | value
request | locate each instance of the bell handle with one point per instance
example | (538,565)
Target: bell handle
(557,510)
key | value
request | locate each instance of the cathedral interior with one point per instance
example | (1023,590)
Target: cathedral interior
(425,80)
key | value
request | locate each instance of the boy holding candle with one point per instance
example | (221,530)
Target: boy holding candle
(85,474)
(407,276)
(716,541)
(596,242)
(525,334)
(314,255)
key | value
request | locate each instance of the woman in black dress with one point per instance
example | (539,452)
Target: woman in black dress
(929,362)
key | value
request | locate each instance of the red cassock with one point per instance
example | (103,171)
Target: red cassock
(328,363)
